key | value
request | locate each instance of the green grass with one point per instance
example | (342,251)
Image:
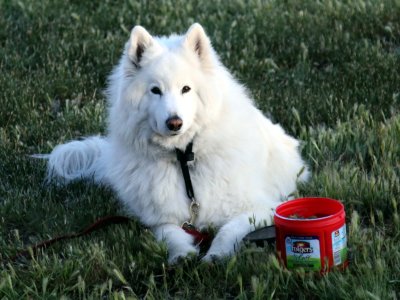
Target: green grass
(328,71)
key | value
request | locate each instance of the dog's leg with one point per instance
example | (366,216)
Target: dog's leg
(180,244)
(231,234)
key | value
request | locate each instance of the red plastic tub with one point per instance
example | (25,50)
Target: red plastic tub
(311,233)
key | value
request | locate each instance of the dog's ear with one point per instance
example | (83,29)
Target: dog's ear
(139,41)
(197,41)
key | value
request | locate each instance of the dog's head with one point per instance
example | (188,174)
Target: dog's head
(162,88)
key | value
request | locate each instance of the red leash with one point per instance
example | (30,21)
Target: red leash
(95,226)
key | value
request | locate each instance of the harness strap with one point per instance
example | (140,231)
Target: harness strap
(184,158)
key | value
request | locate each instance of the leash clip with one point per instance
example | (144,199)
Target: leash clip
(194,212)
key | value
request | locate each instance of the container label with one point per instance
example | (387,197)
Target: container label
(339,245)
(303,251)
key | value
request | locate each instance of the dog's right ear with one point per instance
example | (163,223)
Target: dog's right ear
(139,41)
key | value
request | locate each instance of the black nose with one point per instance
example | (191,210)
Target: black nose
(174,123)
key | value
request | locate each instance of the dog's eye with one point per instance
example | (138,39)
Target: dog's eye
(156,90)
(185,89)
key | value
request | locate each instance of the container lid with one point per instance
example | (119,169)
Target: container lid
(309,209)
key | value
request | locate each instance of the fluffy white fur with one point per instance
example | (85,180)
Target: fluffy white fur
(244,165)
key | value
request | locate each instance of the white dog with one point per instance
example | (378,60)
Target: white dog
(168,92)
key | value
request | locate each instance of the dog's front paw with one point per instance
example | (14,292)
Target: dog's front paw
(215,255)
(209,258)
(179,242)
(178,255)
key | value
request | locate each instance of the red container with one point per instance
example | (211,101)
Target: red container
(311,233)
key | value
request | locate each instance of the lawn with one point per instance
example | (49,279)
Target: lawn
(328,71)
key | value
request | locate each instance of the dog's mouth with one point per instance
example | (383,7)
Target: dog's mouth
(174,133)
(172,140)
(167,133)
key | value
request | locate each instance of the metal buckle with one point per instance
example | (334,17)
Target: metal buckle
(194,212)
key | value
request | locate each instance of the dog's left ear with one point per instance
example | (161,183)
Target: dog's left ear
(197,41)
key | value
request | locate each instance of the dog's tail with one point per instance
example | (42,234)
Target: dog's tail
(77,160)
